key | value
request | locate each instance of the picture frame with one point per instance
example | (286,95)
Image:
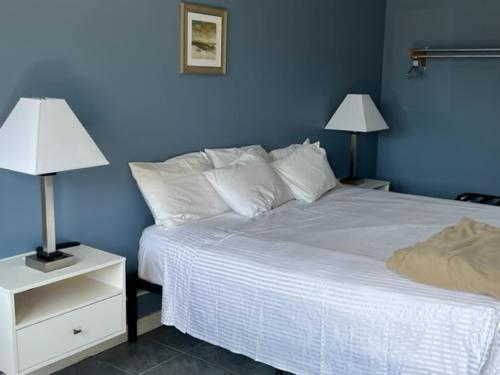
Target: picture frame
(203,37)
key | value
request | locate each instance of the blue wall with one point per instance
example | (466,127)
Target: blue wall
(445,127)
(290,63)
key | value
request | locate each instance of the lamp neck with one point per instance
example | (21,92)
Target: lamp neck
(354,154)
(48,213)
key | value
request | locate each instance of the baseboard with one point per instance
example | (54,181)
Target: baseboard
(149,323)
(144,325)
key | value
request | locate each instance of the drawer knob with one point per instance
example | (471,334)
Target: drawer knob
(77,331)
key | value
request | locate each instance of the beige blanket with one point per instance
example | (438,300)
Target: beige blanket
(465,257)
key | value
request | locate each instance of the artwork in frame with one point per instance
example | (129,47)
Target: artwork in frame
(203,39)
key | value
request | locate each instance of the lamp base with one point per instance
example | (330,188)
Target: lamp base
(49,262)
(352,180)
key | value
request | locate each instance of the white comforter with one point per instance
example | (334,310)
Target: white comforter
(304,288)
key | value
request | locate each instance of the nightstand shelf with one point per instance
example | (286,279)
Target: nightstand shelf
(46,317)
(45,302)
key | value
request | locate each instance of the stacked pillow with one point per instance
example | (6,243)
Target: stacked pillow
(221,157)
(247,180)
(249,185)
(176,190)
(280,153)
(307,172)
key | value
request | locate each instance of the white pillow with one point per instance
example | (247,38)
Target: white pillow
(176,190)
(307,172)
(249,186)
(280,153)
(221,157)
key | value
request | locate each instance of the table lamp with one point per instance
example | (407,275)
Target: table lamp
(42,136)
(356,114)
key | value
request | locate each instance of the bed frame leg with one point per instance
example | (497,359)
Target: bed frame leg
(132,307)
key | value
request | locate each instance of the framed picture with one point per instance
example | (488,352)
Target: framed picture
(203,39)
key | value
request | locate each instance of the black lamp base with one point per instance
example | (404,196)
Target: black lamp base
(55,260)
(55,254)
(47,264)
(352,180)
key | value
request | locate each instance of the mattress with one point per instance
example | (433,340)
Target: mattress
(304,287)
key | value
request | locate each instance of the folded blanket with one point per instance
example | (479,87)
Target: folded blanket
(465,257)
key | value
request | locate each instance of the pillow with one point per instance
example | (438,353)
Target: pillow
(280,153)
(306,172)
(249,186)
(176,190)
(221,157)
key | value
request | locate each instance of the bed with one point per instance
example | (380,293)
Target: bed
(304,287)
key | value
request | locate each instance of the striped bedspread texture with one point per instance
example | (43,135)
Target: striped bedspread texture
(304,288)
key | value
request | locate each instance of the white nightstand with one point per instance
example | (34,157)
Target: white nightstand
(375,184)
(46,317)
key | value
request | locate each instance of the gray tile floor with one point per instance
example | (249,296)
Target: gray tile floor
(167,351)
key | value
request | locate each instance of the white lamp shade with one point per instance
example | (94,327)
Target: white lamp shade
(43,135)
(357,113)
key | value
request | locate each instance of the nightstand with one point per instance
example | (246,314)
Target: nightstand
(375,184)
(46,317)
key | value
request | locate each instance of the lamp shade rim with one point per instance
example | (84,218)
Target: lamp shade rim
(43,135)
(357,113)
(43,172)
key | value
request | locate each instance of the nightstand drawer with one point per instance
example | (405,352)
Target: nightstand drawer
(53,337)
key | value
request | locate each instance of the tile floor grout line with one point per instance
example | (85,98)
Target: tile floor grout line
(176,354)
(194,356)
(188,352)
(119,369)
(177,349)
(182,352)
(179,354)
(95,359)
(211,363)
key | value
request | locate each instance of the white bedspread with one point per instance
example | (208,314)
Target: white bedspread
(304,288)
